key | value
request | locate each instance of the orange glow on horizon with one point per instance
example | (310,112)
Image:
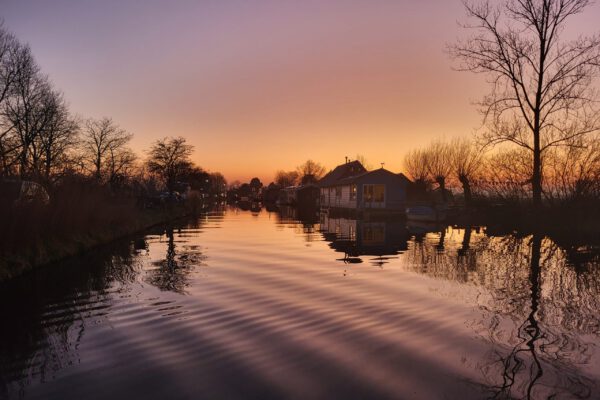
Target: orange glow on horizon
(263,86)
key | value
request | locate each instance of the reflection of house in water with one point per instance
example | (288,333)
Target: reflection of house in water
(357,237)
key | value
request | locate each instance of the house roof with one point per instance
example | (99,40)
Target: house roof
(350,169)
(380,171)
(400,174)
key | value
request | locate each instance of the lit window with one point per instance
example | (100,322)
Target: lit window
(353,192)
(374,193)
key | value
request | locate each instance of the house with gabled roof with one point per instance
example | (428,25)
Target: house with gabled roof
(351,186)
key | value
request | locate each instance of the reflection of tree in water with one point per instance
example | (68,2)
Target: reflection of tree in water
(41,331)
(534,301)
(45,314)
(173,272)
(541,349)
(524,356)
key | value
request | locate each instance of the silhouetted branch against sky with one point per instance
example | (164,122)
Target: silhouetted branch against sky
(169,158)
(541,86)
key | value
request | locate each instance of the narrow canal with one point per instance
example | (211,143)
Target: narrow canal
(257,304)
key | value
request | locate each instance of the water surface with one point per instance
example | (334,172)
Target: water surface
(257,304)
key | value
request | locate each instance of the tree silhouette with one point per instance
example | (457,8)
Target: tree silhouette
(169,158)
(104,145)
(415,165)
(541,94)
(438,160)
(466,162)
(311,168)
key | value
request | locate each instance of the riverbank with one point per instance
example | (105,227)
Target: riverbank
(47,249)
(577,220)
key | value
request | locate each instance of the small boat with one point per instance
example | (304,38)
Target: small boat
(425,213)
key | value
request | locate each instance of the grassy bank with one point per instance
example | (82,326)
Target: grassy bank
(45,250)
(75,221)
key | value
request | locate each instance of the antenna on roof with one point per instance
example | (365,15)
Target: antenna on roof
(346,159)
(382,164)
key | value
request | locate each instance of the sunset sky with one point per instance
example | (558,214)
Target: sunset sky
(258,86)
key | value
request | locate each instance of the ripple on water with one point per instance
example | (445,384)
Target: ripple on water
(237,306)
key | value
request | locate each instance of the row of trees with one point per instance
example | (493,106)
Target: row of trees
(41,140)
(568,173)
(36,129)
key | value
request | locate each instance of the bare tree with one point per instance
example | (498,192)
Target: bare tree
(310,170)
(506,175)
(286,178)
(169,158)
(415,165)
(102,141)
(541,86)
(9,47)
(42,131)
(24,111)
(32,114)
(438,160)
(10,51)
(121,162)
(466,160)
(573,173)
(58,136)
(363,160)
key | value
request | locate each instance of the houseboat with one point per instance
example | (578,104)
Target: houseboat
(351,187)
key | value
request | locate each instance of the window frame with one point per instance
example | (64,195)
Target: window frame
(369,193)
(353,192)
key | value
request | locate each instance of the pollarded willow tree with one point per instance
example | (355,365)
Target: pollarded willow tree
(438,159)
(415,166)
(466,159)
(542,93)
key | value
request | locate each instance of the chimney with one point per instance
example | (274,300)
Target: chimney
(346,159)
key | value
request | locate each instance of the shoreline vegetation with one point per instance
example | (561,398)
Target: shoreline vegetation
(43,253)
(72,230)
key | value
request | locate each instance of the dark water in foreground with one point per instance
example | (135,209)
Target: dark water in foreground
(259,305)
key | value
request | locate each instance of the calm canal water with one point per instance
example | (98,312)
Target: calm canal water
(256,304)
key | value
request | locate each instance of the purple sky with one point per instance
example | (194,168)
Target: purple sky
(258,86)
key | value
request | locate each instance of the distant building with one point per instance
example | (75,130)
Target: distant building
(301,196)
(351,186)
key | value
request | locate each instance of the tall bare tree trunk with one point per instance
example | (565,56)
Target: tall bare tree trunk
(442,185)
(542,87)
(536,179)
(466,190)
